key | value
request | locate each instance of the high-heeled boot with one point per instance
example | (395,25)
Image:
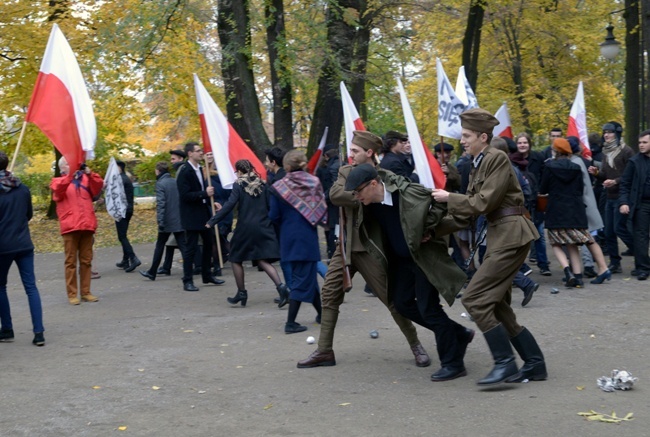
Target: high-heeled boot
(579,283)
(569,279)
(607,274)
(241,296)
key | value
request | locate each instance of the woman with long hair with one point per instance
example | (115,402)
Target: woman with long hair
(254,237)
(298,206)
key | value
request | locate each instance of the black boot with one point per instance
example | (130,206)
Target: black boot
(569,279)
(123,264)
(283,291)
(534,368)
(579,283)
(133,263)
(241,296)
(504,359)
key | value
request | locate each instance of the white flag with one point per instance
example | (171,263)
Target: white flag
(116,202)
(449,106)
(464,90)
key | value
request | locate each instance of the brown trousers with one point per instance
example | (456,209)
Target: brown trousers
(332,295)
(489,293)
(78,243)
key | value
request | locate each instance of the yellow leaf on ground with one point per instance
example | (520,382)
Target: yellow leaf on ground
(266,407)
(121,428)
(96,387)
(344,404)
(155,387)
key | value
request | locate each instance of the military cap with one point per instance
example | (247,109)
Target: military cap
(367,140)
(478,120)
(360,175)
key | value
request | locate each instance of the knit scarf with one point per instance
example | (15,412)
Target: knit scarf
(611,150)
(251,184)
(8,181)
(304,193)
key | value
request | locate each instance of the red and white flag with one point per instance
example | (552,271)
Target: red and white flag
(578,121)
(315,158)
(426,165)
(220,138)
(351,118)
(504,128)
(60,105)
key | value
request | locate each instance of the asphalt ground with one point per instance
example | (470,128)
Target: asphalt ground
(149,359)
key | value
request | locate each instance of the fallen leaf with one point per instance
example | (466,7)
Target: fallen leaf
(268,337)
(344,404)
(580,387)
(140,370)
(223,344)
(592,336)
(155,387)
(365,311)
(188,330)
(266,407)
(121,428)
(601,417)
(96,387)
(239,367)
(201,392)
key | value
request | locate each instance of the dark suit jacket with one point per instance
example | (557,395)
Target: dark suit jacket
(194,201)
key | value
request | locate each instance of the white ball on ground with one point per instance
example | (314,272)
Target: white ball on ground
(311,340)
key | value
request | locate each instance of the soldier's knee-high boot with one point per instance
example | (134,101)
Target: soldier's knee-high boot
(504,359)
(534,368)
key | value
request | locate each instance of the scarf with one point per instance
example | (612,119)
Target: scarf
(252,184)
(611,151)
(8,181)
(304,193)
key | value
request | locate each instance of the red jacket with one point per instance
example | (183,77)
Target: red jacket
(74,205)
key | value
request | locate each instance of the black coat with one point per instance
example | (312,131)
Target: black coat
(399,164)
(15,213)
(562,181)
(632,182)
(167,209)
(194,200)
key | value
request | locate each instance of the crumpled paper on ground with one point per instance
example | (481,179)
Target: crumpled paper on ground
(620,380)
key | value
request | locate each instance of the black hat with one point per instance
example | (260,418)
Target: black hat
(329,147)
(178,152)
(614,127)
(360,175)
(574,142)
(394,135)
(448,147)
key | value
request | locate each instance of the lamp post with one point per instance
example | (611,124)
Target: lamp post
(637,46)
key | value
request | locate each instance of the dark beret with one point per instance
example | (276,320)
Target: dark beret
(178,152)
(448,147)
(394,135)
(360,175)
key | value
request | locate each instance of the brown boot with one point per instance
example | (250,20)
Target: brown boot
(421,356)
(318,358)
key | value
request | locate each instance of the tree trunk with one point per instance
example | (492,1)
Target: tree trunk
(242,104)
(280,74)
(328,111)
(472,40)
(360,60)
(632,77)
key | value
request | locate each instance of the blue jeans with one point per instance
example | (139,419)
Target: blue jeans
(540,247)
(25,263)
(616,226)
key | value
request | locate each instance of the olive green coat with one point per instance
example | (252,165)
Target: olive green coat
(419,214)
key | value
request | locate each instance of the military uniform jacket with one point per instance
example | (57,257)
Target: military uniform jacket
(492,186)
(419,214)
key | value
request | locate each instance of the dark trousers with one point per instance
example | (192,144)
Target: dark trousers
(616,226)
(122,227)
(417,300)
(160,248)
(641,226)
(192,242)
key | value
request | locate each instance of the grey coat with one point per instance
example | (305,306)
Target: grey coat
(593,215)
(167,204)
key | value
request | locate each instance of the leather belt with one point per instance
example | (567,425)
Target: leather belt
(505,212)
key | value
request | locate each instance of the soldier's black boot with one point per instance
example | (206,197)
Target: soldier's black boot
(534,368)
(504,358)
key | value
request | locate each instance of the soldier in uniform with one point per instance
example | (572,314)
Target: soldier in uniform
(495,192)
(364,148)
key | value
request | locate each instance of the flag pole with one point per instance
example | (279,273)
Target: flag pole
(20,140)
(206,174)
(442,150)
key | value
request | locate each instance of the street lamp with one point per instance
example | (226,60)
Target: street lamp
(610,48)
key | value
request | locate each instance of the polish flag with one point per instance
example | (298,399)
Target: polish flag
(60,105)
(351,118)
(426,165)
(504,128)
(221,139)
(578,121)
(315,159)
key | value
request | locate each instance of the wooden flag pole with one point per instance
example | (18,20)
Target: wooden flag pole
(20,140)
(206,172)
(442,150)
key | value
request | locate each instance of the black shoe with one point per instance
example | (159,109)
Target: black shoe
(590,272)
(448,373)
(213,280)
(635,272)
(276,300)
(615,268)
(642,276)
(241,296)
(283,291)
(528,293)
(162,271)
(133,263)
(544,271)
(293,328)
(628,252)
(197,271)
(147,275)
(606,275)
(217,271)
(39,340)
(7,335)
(318,319)
(188,286)
(122,264)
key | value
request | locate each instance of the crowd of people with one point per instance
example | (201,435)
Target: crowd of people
(413,246)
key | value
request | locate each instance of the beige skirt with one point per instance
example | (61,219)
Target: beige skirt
(558,237)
